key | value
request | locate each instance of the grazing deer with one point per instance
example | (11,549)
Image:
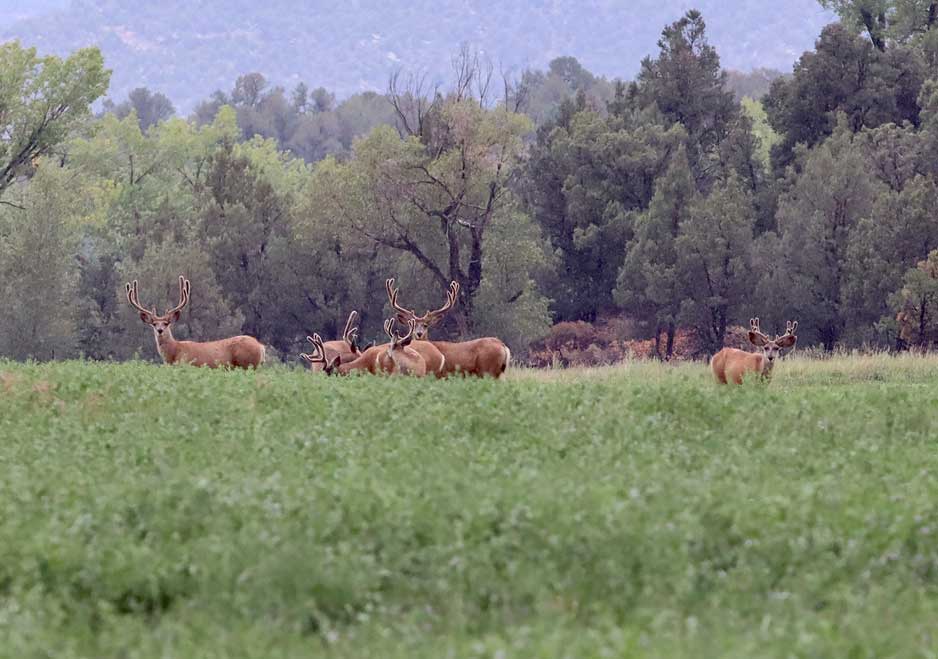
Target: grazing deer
(479,357)
(237,351)
(346,348)
(395,357)
(730,364)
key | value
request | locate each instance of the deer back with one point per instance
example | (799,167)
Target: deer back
(478,357)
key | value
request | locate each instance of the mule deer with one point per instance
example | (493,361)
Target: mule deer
(479,357)
(237,351)
(730,364)
(399,357)
(394,357)
(346,348)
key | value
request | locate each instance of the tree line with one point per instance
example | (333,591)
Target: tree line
(551,196)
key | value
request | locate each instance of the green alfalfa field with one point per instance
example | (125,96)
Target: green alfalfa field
(632,511)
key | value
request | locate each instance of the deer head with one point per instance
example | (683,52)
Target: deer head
(160,324)
(771,348)
(398,341)
(422,324)
(318,355)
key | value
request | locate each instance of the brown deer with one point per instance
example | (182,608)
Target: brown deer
(479,357)
(399,357)
(345,348)
(394,357)
(237,351)
(730,364)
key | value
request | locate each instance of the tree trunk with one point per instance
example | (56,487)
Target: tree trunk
(870,22)
(670,346)
(922,318)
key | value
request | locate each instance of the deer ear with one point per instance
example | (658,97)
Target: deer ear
(756,339)
(787,341)
(176,315)
(145,317)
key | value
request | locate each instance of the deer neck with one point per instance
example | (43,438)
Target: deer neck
(166,345)
(767,367)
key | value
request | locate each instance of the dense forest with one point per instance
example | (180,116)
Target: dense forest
(571,207)
(185,49)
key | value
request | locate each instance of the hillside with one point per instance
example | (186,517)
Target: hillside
(186,50)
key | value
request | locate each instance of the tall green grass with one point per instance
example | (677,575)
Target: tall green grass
(641,510)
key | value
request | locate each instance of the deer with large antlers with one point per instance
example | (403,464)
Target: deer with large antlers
(346,348)
(479,357)
(731,365)
(234,352)
(397,357)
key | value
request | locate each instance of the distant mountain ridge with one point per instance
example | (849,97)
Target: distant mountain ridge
(188,49)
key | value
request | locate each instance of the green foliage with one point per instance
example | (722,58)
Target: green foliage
(41,100)
(901,231)
(714,262)
(817,217)
(845,74)
(760,128)
(928,99)
(633,511)
(886,21)
(150,108)
(686,84)
(649,283)
(308,125)
(38,270)
(429,199)
(509,303)
(541,93)
(586,176)
(917,304)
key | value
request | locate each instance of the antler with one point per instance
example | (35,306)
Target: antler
(183,296)
(404,341)
(754,327)
(134,299)
(350,334)
(315,356)
(398,341)
(790,329)
(319,355)
(392,296)
(450,300)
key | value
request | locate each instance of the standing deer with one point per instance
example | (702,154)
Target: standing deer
(237,351)
(730,364)
(346,348)
(395,357)
(479,357)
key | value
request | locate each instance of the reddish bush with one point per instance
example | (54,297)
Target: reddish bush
(578,334)
(611,339)
(737,337)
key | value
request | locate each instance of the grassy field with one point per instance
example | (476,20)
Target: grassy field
(640,511)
